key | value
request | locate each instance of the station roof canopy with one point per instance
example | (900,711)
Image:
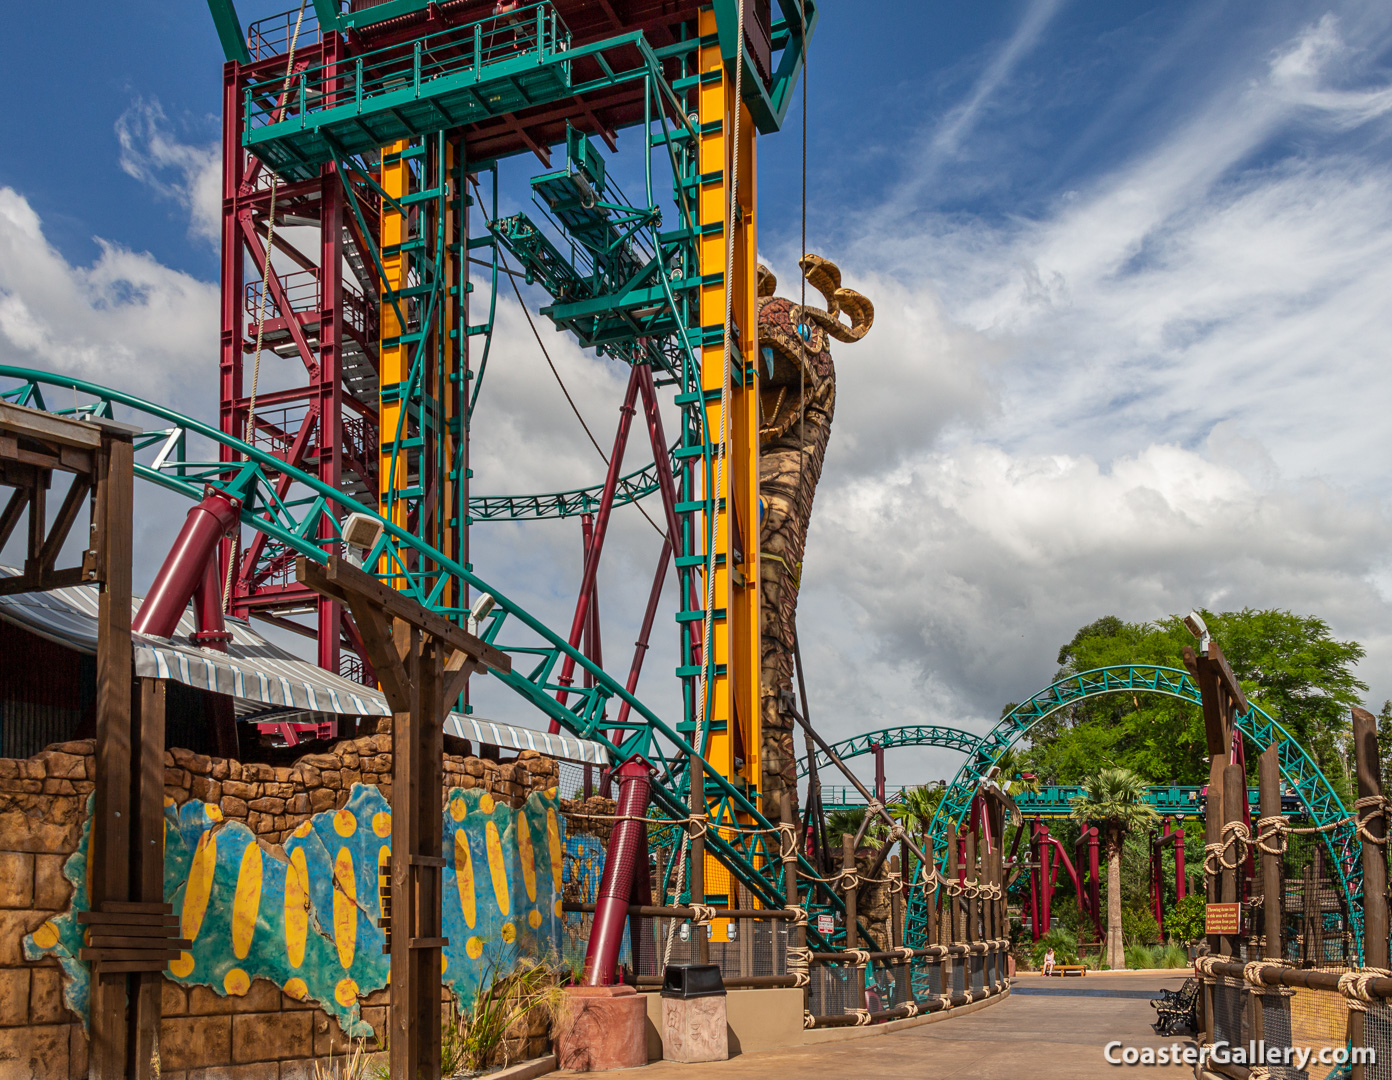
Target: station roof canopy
(266,681)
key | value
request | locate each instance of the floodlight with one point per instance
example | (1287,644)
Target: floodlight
(363,530)
(482,606)
(1199,628)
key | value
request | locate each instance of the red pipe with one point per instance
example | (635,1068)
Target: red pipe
(627,847)
(879,772)
(1179,863)
(1067,864)
(186,565)
(1046,884)
(640,647)
(207,610)
(667,487)
(606,509)
(1095,885)
(1034,880)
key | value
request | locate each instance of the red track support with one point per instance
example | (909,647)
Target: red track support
(628,846)
(596,546)
(878,749)
(187,566)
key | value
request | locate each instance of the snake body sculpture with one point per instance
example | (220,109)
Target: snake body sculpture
(798,400)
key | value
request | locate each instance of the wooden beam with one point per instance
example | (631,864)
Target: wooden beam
(33,424)
(386,663)
(63,523)
(109,862)
(1226,678)
(346,579)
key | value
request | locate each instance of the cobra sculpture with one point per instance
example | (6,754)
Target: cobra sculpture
(798,400)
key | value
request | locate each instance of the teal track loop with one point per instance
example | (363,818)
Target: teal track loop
(1298,770)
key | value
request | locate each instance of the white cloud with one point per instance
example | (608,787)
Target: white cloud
(1172,389)
(186,174)
(126,320)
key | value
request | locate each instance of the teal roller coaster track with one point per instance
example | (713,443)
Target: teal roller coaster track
(300,516)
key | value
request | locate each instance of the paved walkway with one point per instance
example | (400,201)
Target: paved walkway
(1048,1029)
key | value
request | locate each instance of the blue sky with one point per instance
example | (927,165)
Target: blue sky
(1131,263)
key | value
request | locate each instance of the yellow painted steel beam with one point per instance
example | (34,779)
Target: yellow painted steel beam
(732,414)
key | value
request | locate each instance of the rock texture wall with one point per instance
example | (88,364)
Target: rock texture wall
(245,1025)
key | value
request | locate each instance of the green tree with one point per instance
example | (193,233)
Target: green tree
(1186,919)
(1115,804)
(1289,664)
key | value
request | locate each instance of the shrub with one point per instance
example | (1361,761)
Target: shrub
(1140,956)
(1138,927)
(1171,956)
(1064,944)
(1185,920)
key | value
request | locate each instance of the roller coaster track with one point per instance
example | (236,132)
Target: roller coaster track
(632,487)
(304,521)
(909,735)
(1298,770)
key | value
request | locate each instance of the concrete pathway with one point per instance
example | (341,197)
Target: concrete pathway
(1048,1029)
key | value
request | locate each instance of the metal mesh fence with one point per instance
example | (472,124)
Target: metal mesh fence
(959,976)
(1229,1011)
(978,975)
(1377,1035)
(1318,1018)
(833,989)
(926,976)
(760,946)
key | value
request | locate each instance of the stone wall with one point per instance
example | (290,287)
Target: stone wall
(262,1033)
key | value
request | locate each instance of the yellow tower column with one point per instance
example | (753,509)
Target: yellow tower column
(732,415)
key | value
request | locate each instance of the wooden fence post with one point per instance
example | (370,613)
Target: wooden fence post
(848,865)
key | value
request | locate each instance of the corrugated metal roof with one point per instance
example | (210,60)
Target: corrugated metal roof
(259,674)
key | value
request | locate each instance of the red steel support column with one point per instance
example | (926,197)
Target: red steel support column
(1035,881)
(606,509)
(1179,881)
(186,564)
(878,748)
(1095,885)
(1046,884)
(626,849)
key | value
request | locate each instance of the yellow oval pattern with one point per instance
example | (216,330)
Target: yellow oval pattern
(526,856)
(497,868)
(345,914)
(296,907)
(464,878)
(199,886)
(553,843)
(236,982)
(246,902)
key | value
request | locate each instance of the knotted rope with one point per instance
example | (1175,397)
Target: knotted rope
(799,964)
(1379,805)
(1356,986)
(862,1017)
(860,957)
(701,914)
(798,913)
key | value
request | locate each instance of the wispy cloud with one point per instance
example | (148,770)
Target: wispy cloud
(1180,394)
(187,174)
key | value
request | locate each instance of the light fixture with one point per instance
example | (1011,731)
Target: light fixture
(1199,628)
(481,607)
(363,531)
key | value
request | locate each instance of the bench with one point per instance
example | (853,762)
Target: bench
(1069,969)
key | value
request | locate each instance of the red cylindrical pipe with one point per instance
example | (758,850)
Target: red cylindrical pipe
(186,564)
(1179,864)
(626,848)
(207,609)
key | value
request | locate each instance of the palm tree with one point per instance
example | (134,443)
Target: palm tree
(1010,776)
(914,811)
(1115,801)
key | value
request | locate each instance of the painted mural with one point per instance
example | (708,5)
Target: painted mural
(305,915)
